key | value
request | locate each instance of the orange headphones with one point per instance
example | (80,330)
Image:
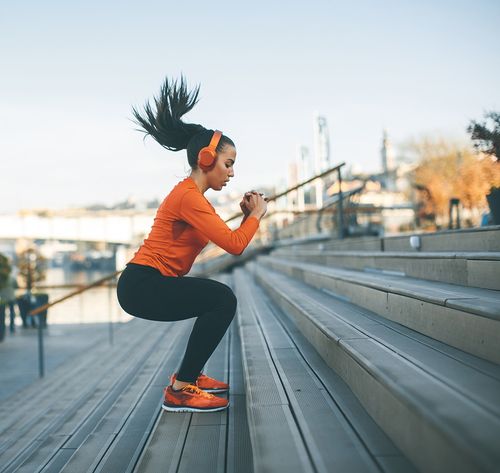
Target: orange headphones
(207,155)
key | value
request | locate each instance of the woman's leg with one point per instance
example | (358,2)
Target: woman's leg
(144,292)
(206,334)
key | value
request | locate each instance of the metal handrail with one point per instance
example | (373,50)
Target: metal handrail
(298,186)
(101,281)
(207,253)
(54,286)
(44,307)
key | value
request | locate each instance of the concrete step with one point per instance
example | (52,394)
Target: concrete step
(302,417)
(368,243)
(439,405)
(471,269)
(479,239)
(464,317)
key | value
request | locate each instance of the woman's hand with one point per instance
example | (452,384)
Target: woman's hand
(244,208)
(254,203)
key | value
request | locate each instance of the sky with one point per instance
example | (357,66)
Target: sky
(71,72)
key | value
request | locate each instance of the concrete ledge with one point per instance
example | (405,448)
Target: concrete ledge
(478,239)
(467,239)
(419,412)
(466,269)
(468,319)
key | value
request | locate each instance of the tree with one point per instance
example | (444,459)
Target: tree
(488,141)
(448,170)
(32,267)
(485,139)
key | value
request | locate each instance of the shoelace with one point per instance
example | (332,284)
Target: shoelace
(191,388)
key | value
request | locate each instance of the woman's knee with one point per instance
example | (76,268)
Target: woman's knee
(229,299)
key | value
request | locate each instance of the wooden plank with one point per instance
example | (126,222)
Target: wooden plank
(119,407)
(22,444)
(277,443)
(328,435)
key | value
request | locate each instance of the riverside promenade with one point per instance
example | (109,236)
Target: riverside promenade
(354,355)
(63,343)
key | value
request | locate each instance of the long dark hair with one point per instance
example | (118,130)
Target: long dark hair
(164,123)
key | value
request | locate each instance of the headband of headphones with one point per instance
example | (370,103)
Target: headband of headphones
(215,139)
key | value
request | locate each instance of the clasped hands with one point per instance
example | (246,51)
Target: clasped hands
(243,204)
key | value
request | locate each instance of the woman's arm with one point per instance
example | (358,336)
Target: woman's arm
(195,210)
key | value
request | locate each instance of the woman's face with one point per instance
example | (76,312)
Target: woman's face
(223,169)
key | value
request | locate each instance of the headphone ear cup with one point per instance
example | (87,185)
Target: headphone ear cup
(206,158)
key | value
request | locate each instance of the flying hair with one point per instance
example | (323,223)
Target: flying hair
(163,123)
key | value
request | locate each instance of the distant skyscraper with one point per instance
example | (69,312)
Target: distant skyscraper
(292,182)
(387,154)
(304,164)
(388,166)
(304,172)
(321,153)
(322,159)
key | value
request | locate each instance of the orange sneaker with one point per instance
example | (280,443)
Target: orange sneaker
(191,398)
(208,384)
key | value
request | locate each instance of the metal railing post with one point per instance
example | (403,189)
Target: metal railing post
(38,312)
(340,219)
(318,221)
(110,300)
(39,322)
(41,359)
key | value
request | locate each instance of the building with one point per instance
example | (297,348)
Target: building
(388,179)
(322,158)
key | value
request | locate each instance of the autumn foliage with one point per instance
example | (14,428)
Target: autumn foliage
(447,171)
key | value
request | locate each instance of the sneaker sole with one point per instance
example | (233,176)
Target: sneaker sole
(191,409)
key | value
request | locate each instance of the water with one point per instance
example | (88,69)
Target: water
(96,305)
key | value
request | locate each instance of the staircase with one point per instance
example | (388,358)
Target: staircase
(360,355)
(414,335)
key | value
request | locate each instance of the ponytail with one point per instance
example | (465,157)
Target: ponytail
(165,125)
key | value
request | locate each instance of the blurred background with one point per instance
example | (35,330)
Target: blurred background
(405,93)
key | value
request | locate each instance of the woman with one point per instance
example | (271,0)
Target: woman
(153,285)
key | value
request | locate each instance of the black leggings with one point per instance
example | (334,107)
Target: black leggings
(144,292)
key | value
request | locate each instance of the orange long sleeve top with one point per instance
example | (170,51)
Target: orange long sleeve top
(185,222)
